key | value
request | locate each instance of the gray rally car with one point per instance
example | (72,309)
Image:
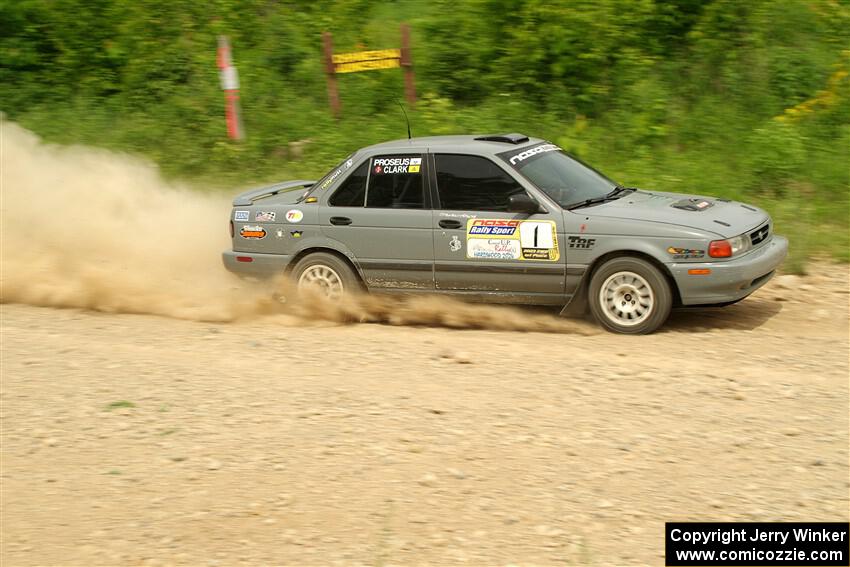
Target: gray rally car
(507,219)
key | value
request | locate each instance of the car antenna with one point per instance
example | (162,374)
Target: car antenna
(406,119)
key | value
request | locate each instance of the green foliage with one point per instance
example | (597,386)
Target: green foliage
(777,153)
(741,99)
(119,404)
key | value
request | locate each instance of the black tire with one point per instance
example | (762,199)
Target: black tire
(332,266)
(636,299)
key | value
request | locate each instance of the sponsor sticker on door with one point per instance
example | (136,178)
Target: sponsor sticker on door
(493,248)
(252,232)
(506,239)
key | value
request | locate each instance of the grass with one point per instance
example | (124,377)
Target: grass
(808,236)
(119,404)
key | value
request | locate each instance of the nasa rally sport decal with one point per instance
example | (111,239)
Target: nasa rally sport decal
(505,239)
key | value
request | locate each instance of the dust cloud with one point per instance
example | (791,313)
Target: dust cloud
(87,228)
(92,229)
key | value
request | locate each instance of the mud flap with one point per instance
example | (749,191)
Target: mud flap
(577,305)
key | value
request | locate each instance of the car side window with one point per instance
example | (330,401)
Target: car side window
(473,183)
(395,182)
(352,191)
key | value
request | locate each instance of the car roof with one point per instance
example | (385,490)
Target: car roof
(486,144)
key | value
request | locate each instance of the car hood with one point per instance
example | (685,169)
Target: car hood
(720,216)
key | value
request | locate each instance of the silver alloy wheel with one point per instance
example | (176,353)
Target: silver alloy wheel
(323,279)
(626,298)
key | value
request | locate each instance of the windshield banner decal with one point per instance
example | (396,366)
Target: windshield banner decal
(519,158)
(525,154)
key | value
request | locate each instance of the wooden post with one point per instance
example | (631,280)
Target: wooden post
(230,86)
(407,63)
(333,94)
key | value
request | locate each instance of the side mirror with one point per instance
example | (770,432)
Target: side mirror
(522,203)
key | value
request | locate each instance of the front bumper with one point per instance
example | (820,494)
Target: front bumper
(261,265)
(730,280)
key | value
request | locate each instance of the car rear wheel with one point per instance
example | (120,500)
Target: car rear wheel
(326,275)
(629,295)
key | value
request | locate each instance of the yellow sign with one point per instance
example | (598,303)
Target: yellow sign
(366,60)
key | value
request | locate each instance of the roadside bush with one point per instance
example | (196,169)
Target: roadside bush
(777,153)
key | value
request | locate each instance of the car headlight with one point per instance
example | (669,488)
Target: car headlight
(729,247)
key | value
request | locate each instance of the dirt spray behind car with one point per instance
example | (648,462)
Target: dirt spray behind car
(92,229)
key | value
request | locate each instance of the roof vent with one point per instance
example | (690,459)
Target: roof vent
(505,138)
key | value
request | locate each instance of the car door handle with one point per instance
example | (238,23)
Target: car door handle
(449,223)
(340,220)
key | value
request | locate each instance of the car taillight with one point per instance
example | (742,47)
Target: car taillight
(720,249)
(231,229)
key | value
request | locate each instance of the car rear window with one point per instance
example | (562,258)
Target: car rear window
(352,191)
(395,182)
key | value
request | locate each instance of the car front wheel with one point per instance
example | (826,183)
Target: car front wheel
(629,295)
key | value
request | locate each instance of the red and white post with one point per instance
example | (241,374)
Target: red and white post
(230,86)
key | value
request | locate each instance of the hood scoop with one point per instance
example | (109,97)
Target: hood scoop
(693,204)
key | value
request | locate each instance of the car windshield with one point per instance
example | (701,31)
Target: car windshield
(563,178)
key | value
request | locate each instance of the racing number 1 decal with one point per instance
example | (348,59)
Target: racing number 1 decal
(504,239)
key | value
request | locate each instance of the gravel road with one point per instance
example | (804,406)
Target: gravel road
(136,439)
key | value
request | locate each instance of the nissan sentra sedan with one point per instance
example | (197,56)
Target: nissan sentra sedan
(504,219)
